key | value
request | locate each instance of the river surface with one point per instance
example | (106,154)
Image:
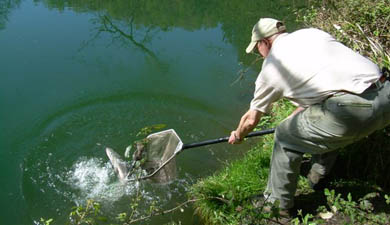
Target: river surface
(77,76)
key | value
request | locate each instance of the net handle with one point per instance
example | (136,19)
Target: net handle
(225,139)
(198,144)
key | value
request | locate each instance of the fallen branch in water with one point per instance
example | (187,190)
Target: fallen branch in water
(179,207)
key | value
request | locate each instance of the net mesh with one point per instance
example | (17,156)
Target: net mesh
(161,147)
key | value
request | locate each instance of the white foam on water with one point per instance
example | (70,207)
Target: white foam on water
(95,179)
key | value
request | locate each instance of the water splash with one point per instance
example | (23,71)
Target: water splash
(95,179)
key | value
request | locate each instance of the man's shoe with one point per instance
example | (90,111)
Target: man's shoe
(284,216)
(258,201)
(285,213)
(267,207)
(316,180)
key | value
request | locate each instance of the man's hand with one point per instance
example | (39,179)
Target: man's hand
(296,111)
(247,123)
(234,139)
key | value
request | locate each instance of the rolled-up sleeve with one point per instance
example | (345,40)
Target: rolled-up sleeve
(264,96)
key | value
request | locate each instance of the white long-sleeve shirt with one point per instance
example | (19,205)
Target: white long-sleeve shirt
(309,65)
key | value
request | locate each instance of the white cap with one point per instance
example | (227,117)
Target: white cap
(264,28)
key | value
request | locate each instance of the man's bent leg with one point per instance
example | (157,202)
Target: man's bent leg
(295,136)
(339,121)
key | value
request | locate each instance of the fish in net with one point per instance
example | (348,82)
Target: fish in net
(154,155)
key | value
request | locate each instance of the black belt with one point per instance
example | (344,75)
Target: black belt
(385,76)
(379,82)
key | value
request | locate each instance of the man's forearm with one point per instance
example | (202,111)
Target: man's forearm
(247,123)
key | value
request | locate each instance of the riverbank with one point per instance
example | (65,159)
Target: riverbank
(358,187)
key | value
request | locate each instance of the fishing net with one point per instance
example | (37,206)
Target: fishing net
(160,150)
(156,155)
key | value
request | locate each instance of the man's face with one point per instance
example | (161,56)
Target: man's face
(264,46)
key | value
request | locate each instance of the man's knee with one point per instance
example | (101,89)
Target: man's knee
(286,132)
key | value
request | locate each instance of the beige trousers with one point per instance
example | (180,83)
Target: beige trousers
(320,130)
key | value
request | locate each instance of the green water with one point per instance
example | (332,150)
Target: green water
(77,76)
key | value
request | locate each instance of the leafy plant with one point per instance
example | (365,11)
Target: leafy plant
(88,214)
(360,212)
(46,222)
(149,129)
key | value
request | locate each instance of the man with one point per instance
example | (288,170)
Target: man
(342,97)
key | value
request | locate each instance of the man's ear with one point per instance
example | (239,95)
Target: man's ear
(279,24)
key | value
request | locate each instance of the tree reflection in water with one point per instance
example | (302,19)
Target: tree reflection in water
(135,21)
(107,25)
(6,6)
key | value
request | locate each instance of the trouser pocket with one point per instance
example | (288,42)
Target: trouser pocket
(344,115)
(354,104)
(350,108)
